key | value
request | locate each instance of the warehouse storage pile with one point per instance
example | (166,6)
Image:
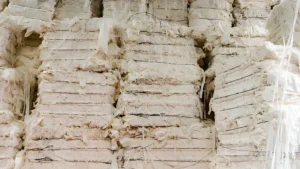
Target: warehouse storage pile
(159,104)
(68,127)
(136,92)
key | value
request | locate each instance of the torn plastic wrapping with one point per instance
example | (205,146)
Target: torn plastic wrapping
(15,92)
(280,23)
(28,63)
(106,26)
(21,23)
(253,105)
(253,146)
(13,79)
(283,141)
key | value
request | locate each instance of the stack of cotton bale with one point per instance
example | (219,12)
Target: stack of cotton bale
(12,97)
(230,53)
(240,81)
(250,21)
(247,100)
(172,11)
(206,13)
(235,46)
(252,16)
(249,31)
(69,125)
(83,9)
(33,9)
(124,11)
(229,48)
(159,100)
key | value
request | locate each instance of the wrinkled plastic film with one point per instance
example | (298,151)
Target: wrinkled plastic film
(105,26)
(283,139)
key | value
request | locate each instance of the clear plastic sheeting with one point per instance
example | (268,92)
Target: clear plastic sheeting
(280,24)
(283,139)
(248,107)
